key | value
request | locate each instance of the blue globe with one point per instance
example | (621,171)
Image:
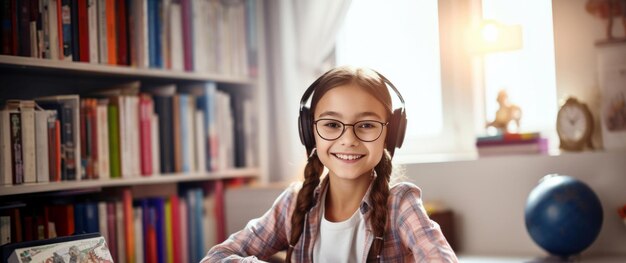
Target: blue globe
(563,215)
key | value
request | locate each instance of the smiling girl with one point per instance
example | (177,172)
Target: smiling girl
(350,213)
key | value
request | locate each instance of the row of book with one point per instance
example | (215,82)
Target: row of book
(512,144)
(192,35)
(124,132)
(176,228)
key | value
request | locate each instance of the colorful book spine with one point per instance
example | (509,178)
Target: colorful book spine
(114,141)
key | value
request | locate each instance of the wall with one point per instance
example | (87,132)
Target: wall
(575,34)
(488,195)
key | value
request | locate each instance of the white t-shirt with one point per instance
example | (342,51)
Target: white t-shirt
(340,241)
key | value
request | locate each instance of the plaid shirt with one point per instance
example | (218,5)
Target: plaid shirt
(410,235)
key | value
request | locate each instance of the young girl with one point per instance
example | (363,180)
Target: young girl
(350,213)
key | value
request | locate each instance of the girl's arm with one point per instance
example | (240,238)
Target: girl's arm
(422,236)
(262,237)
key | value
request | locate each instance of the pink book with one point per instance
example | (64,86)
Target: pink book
(145,114)
(184,229)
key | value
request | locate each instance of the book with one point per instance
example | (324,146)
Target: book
(535,146)
(92,27)
(26,133)
(6,167)
(138,235)
(508,137)
(146,110)
(5,230)
(77,248)
(67,107)
(66,22)
(17,157)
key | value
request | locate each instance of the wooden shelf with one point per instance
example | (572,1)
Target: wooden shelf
(72,67)
(139,180)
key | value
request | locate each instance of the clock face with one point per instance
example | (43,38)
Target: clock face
(572,123)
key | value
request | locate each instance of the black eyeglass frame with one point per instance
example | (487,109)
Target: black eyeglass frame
(345,126)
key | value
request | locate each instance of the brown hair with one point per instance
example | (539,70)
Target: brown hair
(371,82)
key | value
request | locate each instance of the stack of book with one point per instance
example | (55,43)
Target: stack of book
(512,143)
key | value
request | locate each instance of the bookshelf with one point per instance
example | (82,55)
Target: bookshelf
(6,191)
(27,78)
(13,63)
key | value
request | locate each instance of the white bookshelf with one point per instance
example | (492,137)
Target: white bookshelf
(8,190)
(72,67)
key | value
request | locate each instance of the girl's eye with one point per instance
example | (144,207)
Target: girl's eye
(366,125)
(333,124)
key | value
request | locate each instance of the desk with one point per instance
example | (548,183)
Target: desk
(544,259)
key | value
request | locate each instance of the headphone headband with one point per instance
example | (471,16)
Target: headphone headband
(309,91)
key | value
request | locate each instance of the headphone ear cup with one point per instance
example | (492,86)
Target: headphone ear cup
(396,130)
(305,125)
(401,128)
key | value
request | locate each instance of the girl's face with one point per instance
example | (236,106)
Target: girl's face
(348,157)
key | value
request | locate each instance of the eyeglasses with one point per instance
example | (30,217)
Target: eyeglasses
(366,130)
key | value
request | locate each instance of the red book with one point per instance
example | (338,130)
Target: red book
(127,199)
(29,235)
(112,242)
(16,225)
(14,35)
(63,218)
(60,28)
(55,152)
(122,36)
(83,32)
(176,234)
(111,32)
(150,235)
(145,114)
(220,216)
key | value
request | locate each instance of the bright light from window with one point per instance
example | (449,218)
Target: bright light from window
(400,39)
(490,32)
(527,74)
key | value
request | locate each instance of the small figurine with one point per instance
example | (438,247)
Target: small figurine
(506,113)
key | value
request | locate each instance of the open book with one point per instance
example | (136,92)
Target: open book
(79,248)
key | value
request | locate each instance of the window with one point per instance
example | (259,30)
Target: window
(527,74)
(400,39)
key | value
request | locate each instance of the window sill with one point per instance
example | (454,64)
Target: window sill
(473,156)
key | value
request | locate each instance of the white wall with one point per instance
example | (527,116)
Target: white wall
(489,195)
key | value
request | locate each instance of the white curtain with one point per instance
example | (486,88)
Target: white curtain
(301,35)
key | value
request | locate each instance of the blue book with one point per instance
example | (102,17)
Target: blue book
(185,141)
(91,218)
(199,215)
(154,34)
(66,19)
(158,204)
(79,218)
(206,103)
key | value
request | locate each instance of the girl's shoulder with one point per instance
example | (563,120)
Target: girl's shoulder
(403,189)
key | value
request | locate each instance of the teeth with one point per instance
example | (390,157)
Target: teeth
(348,156)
